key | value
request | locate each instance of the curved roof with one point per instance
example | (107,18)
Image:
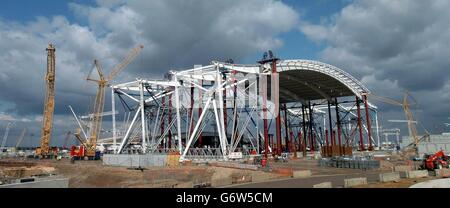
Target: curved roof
(302,80)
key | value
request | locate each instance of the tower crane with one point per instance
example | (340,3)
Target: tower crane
(102,82)
(49,106)
(408,114)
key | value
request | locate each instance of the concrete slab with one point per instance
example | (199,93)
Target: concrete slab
(354,182)
(417,174)
(389,177)
(301,174)
(323,185)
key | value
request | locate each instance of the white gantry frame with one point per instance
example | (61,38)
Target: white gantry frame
(222,87)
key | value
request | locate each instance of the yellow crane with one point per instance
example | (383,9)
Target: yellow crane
(408,114)
(49,106)
(103,82)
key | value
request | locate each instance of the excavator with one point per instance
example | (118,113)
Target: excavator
(88,147)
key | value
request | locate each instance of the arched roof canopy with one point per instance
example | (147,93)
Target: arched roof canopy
(313,80)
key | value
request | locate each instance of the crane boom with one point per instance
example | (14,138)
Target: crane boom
(5,136)
(100,97)
(20,139)
(117,69)
(49,105)
(408,114)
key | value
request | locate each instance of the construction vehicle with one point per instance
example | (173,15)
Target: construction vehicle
(89,143)
(437,160)
(49,106)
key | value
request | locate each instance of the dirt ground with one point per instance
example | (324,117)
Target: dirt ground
(93,174)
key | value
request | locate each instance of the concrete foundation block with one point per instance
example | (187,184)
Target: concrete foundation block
(301,174)
(323,185)
(354,182)
(417,174)
(389,177)
(399,168)
(218,182)
(445,173)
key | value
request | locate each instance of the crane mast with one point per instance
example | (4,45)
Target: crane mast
(49,105)
(100,98)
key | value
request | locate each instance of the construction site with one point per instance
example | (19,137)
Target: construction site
(276,123)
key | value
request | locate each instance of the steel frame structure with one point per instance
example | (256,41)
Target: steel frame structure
(234,99)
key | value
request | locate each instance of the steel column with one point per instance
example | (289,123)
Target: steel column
(338,124)
(143,126)
(304,129)
(286,128)
(369,130)
(170,121)
(361,140)
(113,108)
(312,148)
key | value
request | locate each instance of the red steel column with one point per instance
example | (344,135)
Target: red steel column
(361,141)
(369,130)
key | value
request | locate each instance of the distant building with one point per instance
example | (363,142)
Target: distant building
(431,146)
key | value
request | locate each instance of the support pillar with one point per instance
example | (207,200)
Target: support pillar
(287,140)
(264,107)
(330,123)
(338,124)
(369,130)
(163,118)
(143,126)
(326,142)
(170,121)
(113,108)
(191,111)
(276,101)
(200,110)
(311,127)
(361,140)
(304,129)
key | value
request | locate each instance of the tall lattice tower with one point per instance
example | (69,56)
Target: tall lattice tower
(49,105)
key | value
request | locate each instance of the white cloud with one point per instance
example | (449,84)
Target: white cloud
(393,46)
(175,34)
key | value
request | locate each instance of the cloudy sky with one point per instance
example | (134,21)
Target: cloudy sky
(392,46)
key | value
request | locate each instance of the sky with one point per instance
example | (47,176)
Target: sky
(391,46)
